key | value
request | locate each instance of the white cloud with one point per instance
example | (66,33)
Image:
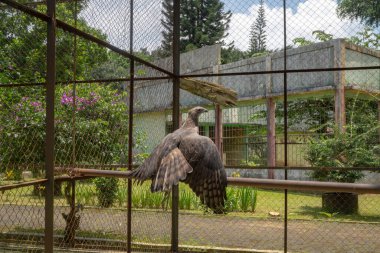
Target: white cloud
(309,16)
(113,19)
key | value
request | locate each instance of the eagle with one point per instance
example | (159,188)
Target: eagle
(185,156)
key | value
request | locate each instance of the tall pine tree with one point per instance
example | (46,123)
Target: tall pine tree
(203,22)
(258,37)
(167,23)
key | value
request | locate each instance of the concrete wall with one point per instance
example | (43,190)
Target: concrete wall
(156,95)
(367,80)
(153,125)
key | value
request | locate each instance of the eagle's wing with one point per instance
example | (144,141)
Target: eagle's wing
(166,166)
(186,156)
(208,179)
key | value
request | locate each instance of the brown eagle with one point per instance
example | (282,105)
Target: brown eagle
(186,156)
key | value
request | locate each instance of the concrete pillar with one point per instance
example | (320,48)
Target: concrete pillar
(271,136)
(339,81)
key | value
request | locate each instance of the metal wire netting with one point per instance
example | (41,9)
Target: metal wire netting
(312,54)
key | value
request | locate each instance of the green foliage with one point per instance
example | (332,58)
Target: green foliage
(231,54)
(329,215)
(23,44)
(107,189)
(315,115)
(243,199)
(186,200)
(354,147)
(337,151)
(366,38)
(368,11)
(257,43)
(100,115)
(248,199)
(84,194)
(321,35)
(301,41)
(101,125)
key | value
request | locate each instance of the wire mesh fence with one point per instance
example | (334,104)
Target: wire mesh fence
(306,75)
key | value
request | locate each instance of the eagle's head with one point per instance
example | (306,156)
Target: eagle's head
(196,111)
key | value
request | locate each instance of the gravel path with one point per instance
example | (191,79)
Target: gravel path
(222,231)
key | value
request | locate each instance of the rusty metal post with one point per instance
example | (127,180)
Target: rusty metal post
(219,129)
(176,112)
(130,132)
(74,159)
(378,119)
(285,134)
(271,136)
(218,134)
(49,138)
(271,120)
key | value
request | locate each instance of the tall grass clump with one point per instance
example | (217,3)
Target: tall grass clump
(241,199)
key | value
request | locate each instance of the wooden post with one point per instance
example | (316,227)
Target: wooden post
(271,136)
(339,80)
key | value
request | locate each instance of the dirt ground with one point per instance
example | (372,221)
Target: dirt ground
(209,230)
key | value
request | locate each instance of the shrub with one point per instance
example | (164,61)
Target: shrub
(354,147)
(106,189)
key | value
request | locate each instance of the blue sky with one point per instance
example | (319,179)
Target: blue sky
(242,6)
(303,17)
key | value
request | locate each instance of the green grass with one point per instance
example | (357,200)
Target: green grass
(241,201)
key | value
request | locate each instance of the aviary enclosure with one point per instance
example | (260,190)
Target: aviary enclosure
(89,87)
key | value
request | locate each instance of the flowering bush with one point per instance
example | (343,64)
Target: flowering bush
(98,134)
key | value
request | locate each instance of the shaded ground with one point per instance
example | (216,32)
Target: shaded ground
(211,230)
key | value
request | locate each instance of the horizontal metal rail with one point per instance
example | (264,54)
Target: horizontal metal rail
(83,173)
(259,167)
(153,78)
(41,181)
(373,169)
(305,185)
(279,71)
(23,184)
(260,183)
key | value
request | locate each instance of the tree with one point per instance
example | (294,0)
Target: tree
(167,33)
(366,38)
(23,44)
(257,42)
(356,147)
(368,11)
(231,54)
(101,112)
(203,22)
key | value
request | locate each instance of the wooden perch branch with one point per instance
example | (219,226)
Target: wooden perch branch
(211,91)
